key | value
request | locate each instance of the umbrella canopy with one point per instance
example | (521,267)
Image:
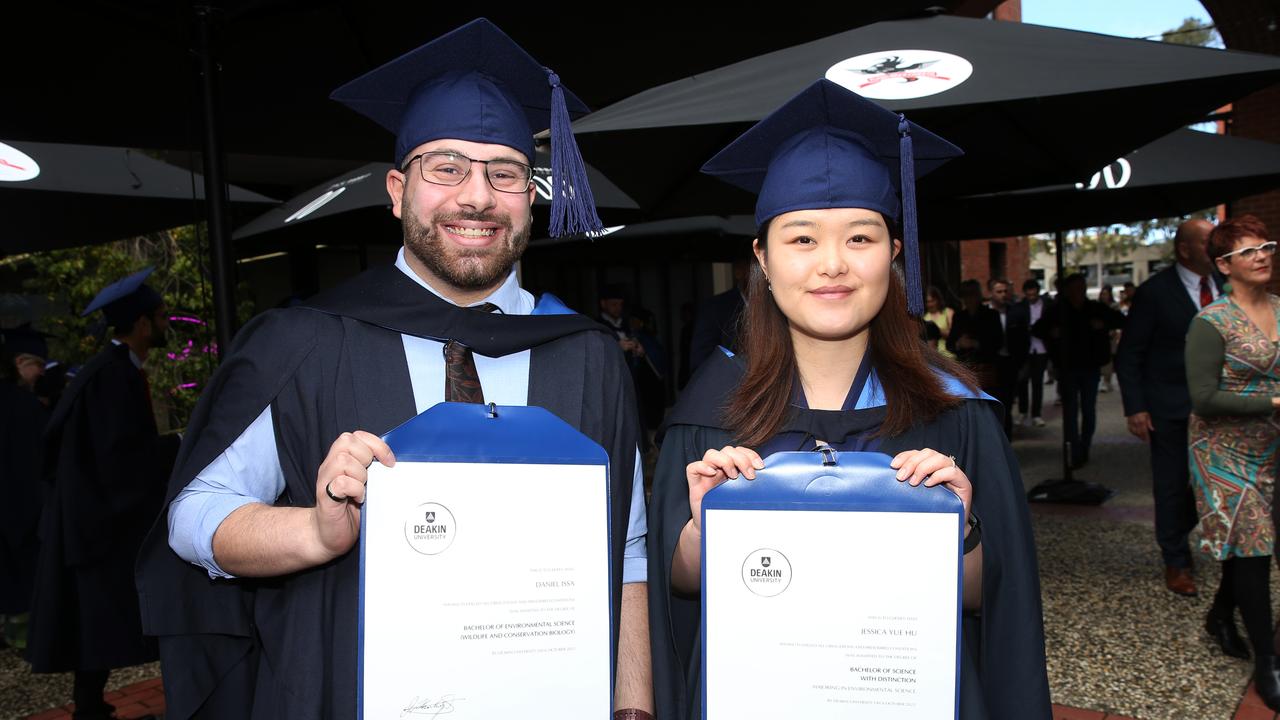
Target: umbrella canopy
(365,187)
(57,196)
(1177,174)
(1030,105)
(135,83)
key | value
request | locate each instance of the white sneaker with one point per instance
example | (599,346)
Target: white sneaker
(1104,388)
(1037,421)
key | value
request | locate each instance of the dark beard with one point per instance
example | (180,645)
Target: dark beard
(464,268)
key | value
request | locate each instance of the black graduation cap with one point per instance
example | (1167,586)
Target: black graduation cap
(476,84)
(126,299)
(25,339)
(831,148)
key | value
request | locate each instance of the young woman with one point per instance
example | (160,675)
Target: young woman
(832,354)
(937,312)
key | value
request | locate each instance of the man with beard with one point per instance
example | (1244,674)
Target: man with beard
(253,590)
(107,466)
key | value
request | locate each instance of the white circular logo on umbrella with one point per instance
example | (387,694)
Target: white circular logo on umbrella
(16,166)
(901,74)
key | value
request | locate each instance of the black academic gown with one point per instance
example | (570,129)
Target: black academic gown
(22,420)
(105,468)
(1002,659)
(286,647)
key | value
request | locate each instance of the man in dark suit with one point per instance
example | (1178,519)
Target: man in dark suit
(1153,385)
(716,320)
(1077,332)
(1015,343)
(976,336)
(1031,379)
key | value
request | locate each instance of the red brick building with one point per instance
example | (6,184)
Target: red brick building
(1253,26)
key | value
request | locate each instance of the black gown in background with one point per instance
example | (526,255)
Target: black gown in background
(105,468)
(286,647)
(22,420)
(1002,659)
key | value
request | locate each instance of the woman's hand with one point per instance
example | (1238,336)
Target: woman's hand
(715,467)
(933,468)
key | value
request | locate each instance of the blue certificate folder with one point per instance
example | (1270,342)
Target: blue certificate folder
(831,481)
(486,434)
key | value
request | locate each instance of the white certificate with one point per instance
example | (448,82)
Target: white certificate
(830,614)
(486,591)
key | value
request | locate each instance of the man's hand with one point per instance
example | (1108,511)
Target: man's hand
(343,475)
(1140,425)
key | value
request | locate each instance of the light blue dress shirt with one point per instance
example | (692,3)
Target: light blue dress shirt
(249,471)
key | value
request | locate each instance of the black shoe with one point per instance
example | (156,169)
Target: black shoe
(1224,633)
(1266,681)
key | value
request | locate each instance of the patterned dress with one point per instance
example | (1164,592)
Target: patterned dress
(1233,457)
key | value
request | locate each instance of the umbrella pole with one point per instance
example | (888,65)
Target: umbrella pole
(215,184)
(1059,269)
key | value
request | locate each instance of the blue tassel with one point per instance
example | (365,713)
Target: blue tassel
(573,207)
(907,163)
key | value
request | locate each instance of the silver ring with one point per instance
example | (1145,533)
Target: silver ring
(329,492)
(953,461)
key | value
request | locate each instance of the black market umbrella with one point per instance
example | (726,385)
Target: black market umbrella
(1180,173)
(58,196)
(365,187)
(245,81)
(1030,105)
(135,82)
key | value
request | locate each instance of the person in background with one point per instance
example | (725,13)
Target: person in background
(716,321)
(1233,378)
(1127,291)
(976,336)
(1107,297)
(106,466)
(1152,371)
(1015,343)
(1077,332)
(22,419)
(937,312)
(1032,381)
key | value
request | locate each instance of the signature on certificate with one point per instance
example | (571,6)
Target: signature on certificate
(426,707)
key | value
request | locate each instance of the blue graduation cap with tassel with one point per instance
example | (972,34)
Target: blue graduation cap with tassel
(830,148)
(476,84)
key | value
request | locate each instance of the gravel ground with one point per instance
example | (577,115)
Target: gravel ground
(22,693)
(1117,640)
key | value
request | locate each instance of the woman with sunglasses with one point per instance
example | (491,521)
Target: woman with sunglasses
(831,353)
(1233,374)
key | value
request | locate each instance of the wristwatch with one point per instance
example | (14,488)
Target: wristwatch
(631,714)
(974,538)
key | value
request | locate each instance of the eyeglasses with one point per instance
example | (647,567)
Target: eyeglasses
(448,168)
(1248,253)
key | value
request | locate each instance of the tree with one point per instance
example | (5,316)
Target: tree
(1192,32)
(71,278)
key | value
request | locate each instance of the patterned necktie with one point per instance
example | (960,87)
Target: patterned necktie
(461,381)
(1206,294)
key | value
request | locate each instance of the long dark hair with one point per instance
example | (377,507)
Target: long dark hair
(904,363)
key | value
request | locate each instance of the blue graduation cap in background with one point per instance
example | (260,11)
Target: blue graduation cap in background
(126,299)
(476,84)
(831,148)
